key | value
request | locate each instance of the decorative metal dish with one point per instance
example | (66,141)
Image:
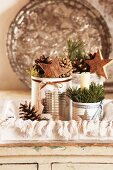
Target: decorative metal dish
(43,27)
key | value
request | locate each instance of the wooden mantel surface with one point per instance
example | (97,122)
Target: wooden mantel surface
(81,143)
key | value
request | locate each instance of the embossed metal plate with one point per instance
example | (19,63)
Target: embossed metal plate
(43,27)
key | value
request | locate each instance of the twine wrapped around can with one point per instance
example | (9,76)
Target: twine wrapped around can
(49,96)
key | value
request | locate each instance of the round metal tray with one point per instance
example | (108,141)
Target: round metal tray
(43,27)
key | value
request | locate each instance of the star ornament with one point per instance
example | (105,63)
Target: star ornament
(53,69)
(98,64)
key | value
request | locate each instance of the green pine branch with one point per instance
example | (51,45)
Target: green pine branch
(94,94)
(76,50)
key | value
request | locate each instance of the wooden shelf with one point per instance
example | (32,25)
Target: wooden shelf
(81,143)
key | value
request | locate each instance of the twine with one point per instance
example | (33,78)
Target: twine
(55,83)
(98,112)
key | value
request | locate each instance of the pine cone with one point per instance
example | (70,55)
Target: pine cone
(80,66)
(29,112)
(66,63)
(43,59)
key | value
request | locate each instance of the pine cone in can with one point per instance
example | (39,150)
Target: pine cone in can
(66,63)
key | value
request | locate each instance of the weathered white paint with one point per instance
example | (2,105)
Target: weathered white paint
(57,151)
(44,166)
(56,157)
(72,166)
(18,167)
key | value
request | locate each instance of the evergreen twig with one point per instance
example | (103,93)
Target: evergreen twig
(76,50)
(94,94)
(77,55)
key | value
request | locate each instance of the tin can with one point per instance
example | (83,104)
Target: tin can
(49,96)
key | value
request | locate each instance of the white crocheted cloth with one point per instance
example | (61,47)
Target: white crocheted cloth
(18,129)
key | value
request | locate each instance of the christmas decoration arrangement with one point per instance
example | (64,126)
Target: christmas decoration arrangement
(67,99)
(87,95)
(52,92)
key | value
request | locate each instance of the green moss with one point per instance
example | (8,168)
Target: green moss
(33,72)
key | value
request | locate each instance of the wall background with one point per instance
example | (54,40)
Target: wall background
(8,10)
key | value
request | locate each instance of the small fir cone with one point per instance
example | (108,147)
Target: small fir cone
(80,66)
(26,111)
(37,69)
(43,59)
(66,63)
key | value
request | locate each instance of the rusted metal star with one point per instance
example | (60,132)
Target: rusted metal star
(98,64)
(53,69)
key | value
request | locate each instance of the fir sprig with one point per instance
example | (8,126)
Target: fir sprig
(77,55)
(94,94)
(76,50)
